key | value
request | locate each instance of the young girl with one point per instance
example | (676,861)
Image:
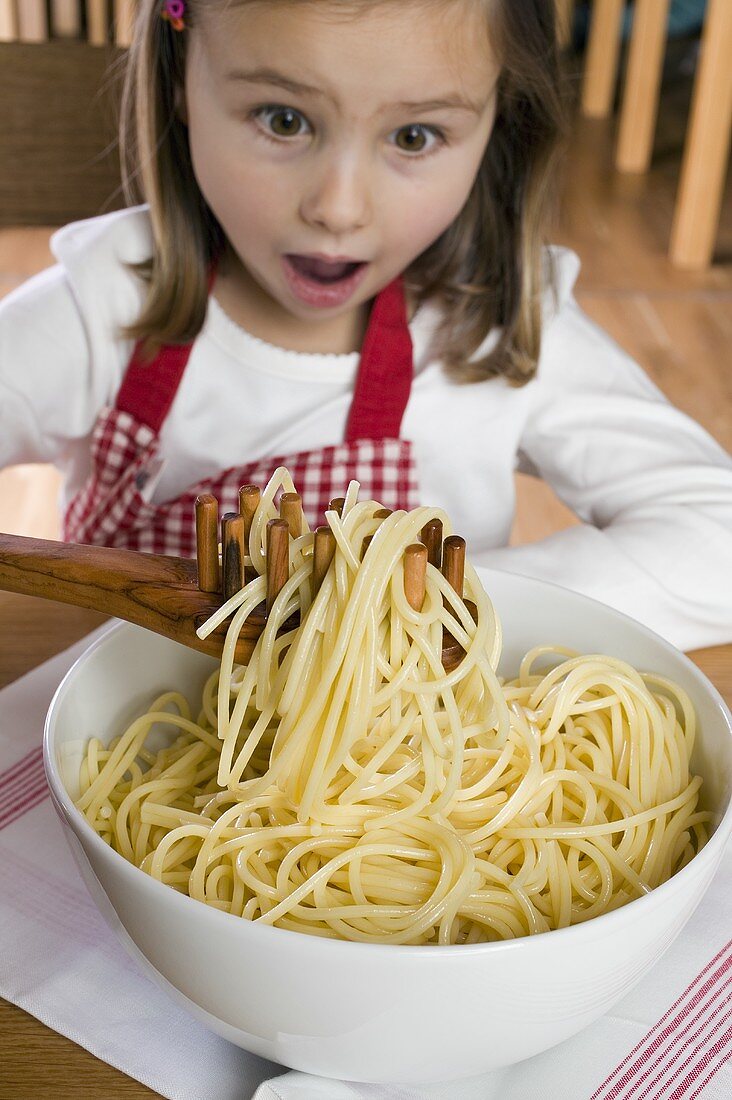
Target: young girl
(338,266)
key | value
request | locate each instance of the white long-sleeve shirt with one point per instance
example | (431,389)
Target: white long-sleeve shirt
(653,489)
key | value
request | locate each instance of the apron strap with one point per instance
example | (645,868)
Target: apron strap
(149,387)
(380,395)
(384,377)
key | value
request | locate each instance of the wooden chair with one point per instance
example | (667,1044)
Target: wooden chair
(706,147)
(28,20)
(601,62)
(565,17)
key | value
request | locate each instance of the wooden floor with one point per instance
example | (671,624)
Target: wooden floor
(677,325)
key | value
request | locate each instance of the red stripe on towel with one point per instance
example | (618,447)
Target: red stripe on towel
(694,1037)
(674,1019)
(14,770)
(709,1076)
(34,793)
(700,1057)
(24,779)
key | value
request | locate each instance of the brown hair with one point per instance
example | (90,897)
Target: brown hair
(488,268)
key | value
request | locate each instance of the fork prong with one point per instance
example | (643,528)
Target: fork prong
(291,512)
(278,558)
(431,535)
(415,571)
(324,546)
(232,553)
(453,570)
(207,549)
(453,562)
(249,497)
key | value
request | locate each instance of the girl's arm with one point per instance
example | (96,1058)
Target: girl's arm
(653,488)
(61,357)
(49,394)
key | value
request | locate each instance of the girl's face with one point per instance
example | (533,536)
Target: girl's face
(323,141)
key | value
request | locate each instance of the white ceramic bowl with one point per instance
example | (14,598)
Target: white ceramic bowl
(368,1011)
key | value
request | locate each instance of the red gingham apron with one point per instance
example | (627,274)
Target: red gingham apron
(110,510)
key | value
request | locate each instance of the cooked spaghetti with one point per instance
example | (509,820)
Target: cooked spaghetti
(343,784)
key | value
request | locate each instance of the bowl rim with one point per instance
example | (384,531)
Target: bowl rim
(711,853)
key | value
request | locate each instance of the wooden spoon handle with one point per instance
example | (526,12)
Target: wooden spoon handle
(155,591)
(152,590)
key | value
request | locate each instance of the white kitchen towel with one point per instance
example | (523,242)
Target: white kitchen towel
(671,1038)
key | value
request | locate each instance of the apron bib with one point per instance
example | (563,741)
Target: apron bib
(111,510)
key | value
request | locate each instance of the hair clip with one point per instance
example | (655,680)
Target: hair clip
(173,11)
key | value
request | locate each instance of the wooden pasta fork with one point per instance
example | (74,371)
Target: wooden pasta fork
(174,596)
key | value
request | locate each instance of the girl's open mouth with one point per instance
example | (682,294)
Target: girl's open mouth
(322,283)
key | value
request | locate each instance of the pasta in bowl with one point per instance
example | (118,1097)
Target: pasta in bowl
(508,846)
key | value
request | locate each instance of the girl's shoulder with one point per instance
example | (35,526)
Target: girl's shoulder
(122,236)
(427,325)
(62,351)
(96,261)
(98,256)
(93,291)
(561,270)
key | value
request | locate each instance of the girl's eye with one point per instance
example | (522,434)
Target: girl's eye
(283,122)
(414,138)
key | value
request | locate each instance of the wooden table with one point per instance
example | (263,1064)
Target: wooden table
(37,1063)
(33,631)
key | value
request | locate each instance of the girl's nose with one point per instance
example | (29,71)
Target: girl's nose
(338,199)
